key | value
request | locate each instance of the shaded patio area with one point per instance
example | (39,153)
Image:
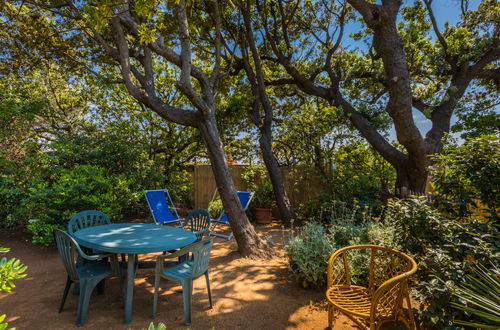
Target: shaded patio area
(247,294)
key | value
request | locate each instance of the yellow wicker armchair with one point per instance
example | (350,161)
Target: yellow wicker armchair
(380,302)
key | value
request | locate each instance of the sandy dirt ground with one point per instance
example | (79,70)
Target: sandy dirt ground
(247,294)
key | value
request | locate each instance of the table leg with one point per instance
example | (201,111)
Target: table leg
(130,287)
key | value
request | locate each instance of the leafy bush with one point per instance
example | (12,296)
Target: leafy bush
(42,231)
(467,177)
(445,248)
(264,195)
(83,187)
(10,270)
(309,250)
(446,233)
(12,193)
(215,208)
(308,254)
(90,169)
(258,181)
(325,208)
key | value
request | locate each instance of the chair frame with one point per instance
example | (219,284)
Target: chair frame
(85,219)
(170,205)
(86,285)
(223,213)
(187,283)
(196,224)
(387,296)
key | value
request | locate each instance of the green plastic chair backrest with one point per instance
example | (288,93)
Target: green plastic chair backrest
(201,256)
(68,251)
(198,222)
(87,219)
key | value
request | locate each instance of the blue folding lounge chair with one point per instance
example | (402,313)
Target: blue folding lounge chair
(161,206)
(245,198)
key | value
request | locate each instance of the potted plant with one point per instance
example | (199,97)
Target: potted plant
(263,201)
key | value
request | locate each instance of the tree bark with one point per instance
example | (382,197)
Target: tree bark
(249,243)
(410,179)
(282,202)
(202,117)
(255,76)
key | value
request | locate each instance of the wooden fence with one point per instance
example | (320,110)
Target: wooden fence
(301,184)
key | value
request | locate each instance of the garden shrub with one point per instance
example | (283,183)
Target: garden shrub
(84,187)
(88,169)
(308,251)
(42,231)
(445,233)
(325,208)
(12,192)
(445,248)
(215,208)
(308,254)
(466,178)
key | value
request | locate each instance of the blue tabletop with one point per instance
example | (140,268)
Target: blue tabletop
(134,238)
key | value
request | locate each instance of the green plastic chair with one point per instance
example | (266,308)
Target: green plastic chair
(87,275)
(87,219)
(198,221)
(185,272)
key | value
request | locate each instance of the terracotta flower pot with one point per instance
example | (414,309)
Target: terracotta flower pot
(263,216)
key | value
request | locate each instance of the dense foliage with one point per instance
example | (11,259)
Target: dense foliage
(465,177)
(58,157)
(454,230)
(309,249)
(448,233)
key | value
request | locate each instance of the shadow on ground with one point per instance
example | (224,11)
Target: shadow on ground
(248,294)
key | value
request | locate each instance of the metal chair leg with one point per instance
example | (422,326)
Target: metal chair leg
(65,294)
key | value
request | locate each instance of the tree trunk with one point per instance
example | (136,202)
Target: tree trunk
(249,243)
(258,87)
(282,202)
(411,179)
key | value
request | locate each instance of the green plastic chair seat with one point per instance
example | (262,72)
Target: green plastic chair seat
(196,258)
(87,275)
(183,270)
(94,270)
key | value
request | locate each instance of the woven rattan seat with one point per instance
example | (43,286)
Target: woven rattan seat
(382,301)
(354,299)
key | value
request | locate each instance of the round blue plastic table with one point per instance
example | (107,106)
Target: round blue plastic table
(132,239)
